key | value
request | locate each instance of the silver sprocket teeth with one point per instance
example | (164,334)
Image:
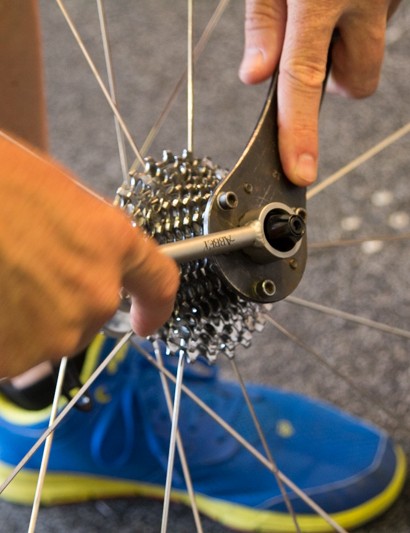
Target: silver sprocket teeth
(168,201)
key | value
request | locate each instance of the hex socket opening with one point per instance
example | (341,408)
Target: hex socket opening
(283,230)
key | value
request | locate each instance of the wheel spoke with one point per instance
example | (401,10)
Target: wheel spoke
(199,48)
(47,448)
(380,326)
(366,395)
(66,410)
(180,446)
(355,242)
(112,86)
(265,445)
(175,441)
(190,79)
(251,449)
(389,140)
(172,443)
(99,80)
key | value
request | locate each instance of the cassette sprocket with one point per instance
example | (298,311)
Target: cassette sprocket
(167,200)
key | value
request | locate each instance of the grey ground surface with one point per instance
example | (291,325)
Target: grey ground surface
(148,43)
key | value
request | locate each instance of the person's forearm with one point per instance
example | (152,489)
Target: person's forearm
(22,106)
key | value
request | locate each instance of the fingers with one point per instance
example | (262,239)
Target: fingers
(358,54)
(152,279)
(299,32)
(302,73)
(61,276)
(265,22)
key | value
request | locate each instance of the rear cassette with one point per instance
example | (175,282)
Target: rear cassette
(168,200)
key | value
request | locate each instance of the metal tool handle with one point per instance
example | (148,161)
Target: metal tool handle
(271,233)
(221,242)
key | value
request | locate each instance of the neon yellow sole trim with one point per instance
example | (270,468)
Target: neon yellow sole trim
(246,519)
(70,488)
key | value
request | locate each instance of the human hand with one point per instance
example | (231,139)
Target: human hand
(65,254)
(295,35)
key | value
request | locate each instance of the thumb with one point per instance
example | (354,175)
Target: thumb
(265,22)
(152,280)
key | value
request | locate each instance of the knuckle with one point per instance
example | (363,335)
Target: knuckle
(304,75)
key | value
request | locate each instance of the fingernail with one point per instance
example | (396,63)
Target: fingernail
(306,169)
(252,58)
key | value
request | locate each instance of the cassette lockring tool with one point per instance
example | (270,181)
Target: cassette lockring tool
(240,238)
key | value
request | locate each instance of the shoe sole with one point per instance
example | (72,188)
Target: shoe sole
(68,488)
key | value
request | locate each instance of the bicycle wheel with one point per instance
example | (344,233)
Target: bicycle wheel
(367,267)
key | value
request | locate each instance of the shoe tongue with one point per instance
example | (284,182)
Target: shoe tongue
(205,441)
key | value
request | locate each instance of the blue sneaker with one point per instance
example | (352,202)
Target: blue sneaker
(119,448)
